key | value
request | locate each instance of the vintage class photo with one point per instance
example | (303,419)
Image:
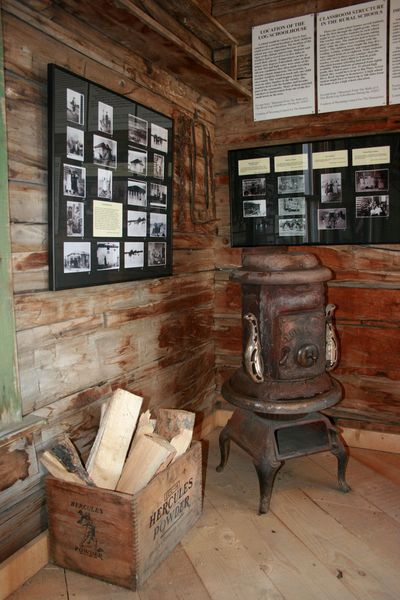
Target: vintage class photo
(137,192)
(137,162)
(107,256)
(374,181)
(137,223)
(75,143)
(74,181)
(159,138)
(292,226)
(254,208)
(104,184)
(133,255)
(332,218)
(75,107)
(372,206)
(105,118)
(157,254)
(75,219)
(158,166)
(158,195)
(158,225)
(137,130)
(331,187)
(76,257)
(292,206)
(104,151)
(254,187)
(291,184)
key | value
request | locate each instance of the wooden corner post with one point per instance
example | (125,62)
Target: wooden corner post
(10,402)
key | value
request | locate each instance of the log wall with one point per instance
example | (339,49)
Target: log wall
(74,347)
(366,278)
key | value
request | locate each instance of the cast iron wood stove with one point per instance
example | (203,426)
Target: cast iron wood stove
(289,347)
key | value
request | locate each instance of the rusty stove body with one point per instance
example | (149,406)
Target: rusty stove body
(289,347)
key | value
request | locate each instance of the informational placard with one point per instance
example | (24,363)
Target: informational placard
(351,57)
(394,52)
(347,193)
(110,185)
(283,68)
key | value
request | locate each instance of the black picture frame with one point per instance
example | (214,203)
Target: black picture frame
(323,192)
(106,154)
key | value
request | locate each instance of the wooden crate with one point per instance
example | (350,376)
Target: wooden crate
(122,538)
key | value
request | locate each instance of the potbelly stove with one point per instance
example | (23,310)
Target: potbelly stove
(289,347)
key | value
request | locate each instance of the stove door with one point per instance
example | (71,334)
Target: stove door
(300,344)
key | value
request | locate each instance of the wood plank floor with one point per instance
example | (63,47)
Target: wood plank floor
(315,543)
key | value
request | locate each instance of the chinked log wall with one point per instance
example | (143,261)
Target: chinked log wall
(74,347)
(366,279)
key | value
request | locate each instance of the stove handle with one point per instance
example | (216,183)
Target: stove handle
(332,340)
(307,355)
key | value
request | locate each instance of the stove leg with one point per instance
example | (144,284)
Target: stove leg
(224,447)
(339,450)
(266,475)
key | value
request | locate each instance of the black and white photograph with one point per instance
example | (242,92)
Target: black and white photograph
(75,219)
(158,195)
(105,118)
(291,206)
(75,143)
(292,226)
(331,218)
(291,184)
(158,225)
(254,187)
(76,257)
(159,138)
(137,223)
(107,256)
(331,187)
(158,166)
(75,107)
(137,162)
(137,192)
(74,180)
(372,206)
(157,254)
(137,130)
(373,181)
(104,184)
(133,255)
(104,151)
(254,208)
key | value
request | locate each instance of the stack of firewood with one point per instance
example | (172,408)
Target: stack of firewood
(130,448)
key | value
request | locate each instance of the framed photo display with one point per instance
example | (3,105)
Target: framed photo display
(341,191)
(110,185)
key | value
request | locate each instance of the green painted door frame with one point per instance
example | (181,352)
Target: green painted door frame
(10,400)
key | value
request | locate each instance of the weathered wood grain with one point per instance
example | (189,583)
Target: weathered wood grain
(66,39)
(22,521)
(163,14)
(28,203)
(38,309)
(243,16)
(28,237)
